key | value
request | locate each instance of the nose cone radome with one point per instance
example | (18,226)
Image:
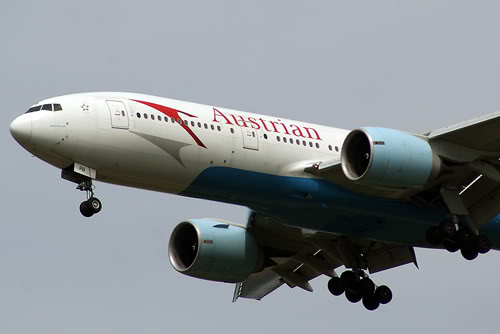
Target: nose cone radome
(20,129)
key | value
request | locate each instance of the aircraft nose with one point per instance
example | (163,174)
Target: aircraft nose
(20,129)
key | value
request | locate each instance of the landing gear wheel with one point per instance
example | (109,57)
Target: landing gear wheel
(353,296)
(366,287)
(335,286)
(434,235)
(464,238)
(383,294)
(349,280)
(371,302)
(85,209)
(451,246)
(469,253)
(94,205)
(483,244)
(448,229)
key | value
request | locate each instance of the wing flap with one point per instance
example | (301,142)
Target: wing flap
(291,272)
(258,285)
(389,256)
(482,199)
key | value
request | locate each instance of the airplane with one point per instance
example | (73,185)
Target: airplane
(319,198)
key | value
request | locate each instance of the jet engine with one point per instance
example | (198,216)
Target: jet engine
(388,158)
(214,250)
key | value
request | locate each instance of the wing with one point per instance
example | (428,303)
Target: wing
(479,134)
(298,256)
(471,151)
(470,182)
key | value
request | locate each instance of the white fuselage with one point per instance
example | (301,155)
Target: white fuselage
(163,144)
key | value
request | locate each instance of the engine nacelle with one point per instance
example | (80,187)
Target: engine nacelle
(388,158)
(214,250)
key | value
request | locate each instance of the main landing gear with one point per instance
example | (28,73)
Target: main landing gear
(92,205)
(357,286)
(454,236)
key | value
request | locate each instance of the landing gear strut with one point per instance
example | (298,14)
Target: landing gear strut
(92,205)
(358,286)
(455,235)
(458,232)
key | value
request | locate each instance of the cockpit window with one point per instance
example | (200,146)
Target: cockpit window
(35,108)
(49,107)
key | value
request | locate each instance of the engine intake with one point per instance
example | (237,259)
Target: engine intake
(388,158)
(214,250)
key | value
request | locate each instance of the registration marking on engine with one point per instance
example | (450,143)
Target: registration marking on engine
(208,242)
(379,142)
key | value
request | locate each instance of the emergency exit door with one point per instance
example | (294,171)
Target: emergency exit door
(119,115)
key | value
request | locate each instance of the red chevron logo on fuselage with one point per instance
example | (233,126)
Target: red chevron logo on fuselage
(174,113)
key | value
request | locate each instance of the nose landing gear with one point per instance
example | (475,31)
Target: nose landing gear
(92,205)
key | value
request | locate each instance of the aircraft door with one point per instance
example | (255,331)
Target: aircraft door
(119,114)
(250,138)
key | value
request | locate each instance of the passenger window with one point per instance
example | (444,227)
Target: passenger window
(57,107)
(145,116)
(159,118)
(199,125)
(278,138)
(304,143)
(123,113)
(265,136)
(298,142)
(317,145)
(336,148)
(232,130)
(152,117)
(218,127)
(311,144)
(330,147)
(192,124)
(212,127)
(185,122)
(172,119)
(284,139)
(47,107)
(206,126)
(138,115)
(166,118)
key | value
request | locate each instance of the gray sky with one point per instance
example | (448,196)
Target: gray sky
(403,64)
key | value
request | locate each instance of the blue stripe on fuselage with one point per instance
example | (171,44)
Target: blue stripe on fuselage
(321,205)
